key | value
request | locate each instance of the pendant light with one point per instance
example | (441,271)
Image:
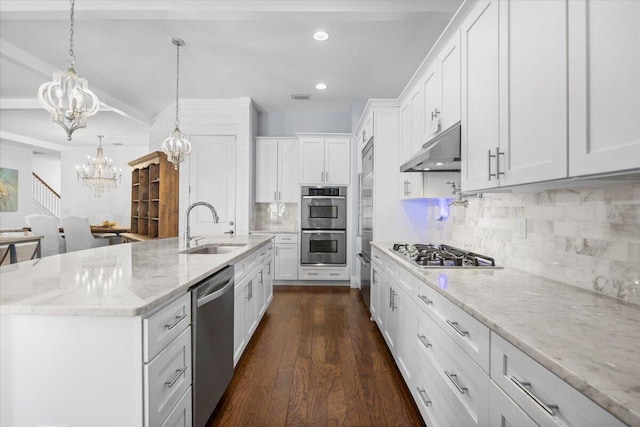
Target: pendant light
(176,146)
(67,97)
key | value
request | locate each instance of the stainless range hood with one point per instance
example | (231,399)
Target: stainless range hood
(440,154)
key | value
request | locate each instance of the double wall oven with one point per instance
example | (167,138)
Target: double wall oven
(324,226)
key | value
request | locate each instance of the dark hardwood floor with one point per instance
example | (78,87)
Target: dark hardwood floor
(316,360)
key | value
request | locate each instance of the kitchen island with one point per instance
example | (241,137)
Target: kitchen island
(74,329)
(511,325)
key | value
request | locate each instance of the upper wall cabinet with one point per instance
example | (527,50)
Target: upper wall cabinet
(277,170)
(514,94)
(411,124)
(604,86)
(325,159)
(442,89)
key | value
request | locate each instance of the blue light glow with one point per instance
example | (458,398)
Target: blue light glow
(443,281)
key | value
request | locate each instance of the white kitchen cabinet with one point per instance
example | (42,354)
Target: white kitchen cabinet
(480,112)
(411,185)
(427,185)
(441,89)
(533,92)
(417,120)
(514,111)
(406,150)
(505,412)
(286,257)
(325,159)
(604,88)
(277,170)
(406,328)
(252,295)
(543,396)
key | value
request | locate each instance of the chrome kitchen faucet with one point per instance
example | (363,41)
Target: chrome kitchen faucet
(187,233)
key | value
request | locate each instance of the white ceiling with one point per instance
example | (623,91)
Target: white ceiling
(261,49)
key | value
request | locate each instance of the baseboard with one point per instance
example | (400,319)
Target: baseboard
(355,282)
(344,283)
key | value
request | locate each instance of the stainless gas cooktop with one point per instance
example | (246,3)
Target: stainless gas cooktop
(441,256)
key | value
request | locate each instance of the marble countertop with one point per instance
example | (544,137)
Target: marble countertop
(589,340)
(119,280)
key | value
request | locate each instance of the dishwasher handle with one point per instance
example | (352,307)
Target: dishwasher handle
(204,299)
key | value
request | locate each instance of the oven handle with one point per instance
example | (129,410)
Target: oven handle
(324,197)
(323,232)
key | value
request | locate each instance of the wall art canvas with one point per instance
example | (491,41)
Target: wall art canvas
(8,190)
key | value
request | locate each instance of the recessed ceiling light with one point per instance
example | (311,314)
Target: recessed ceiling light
(439,164)
(321,36)
(321,86)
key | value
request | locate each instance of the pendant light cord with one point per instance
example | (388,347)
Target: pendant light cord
(177,84)
(71,58)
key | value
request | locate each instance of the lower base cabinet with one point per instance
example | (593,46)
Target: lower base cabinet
(445,362)
(286,260)
(253,293)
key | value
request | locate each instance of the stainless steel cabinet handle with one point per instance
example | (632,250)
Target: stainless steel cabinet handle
(312,274)
(334,274)
(279,195)
(376,257)
(326,176)
(175,322)
(390,296)
(456,328)
(498,154)
(408,188)
(393,300)
(425,299)
(275,197)
(549,408)
(179,373)
(491,174)
(322,176)
(424,341)
(454,379)
(423,396)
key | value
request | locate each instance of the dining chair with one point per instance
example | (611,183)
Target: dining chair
(77,233)
(47,226)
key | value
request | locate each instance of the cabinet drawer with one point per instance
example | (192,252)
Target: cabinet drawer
(167,378)
(287,238)
(162,327)
(181,414)
(436,411)
(547,399)
(504,412)
(471,335)
(324,273)
(462,382)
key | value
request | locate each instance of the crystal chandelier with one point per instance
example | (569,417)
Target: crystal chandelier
(67,97)
(176,146)
(99,174)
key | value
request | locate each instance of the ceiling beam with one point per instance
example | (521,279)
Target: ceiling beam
(32,63)
(219,9)
(34,142)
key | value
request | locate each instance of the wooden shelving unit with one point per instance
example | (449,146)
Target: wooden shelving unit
(154,198)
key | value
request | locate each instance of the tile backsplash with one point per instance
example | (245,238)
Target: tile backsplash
(589,237)
(275,217)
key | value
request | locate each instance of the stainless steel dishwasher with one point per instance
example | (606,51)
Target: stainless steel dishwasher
(212,326)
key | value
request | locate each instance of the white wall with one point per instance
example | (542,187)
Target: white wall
(48,168)
(287,124)
(15,157)
(77,200)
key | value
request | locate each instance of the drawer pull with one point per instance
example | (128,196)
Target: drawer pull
(312,274)
(526,388)
(175,322)
(425,299)
(456,328)
(423,396)
(179,373)
(334,274)
(424,341)
(454,379)
(376,256)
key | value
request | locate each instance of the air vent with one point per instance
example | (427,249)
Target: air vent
(117,143)
(300,96)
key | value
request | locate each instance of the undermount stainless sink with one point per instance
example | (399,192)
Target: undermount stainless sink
(214,248)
